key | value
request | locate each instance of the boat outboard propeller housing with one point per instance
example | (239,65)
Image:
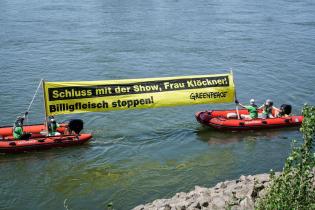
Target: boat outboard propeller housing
(75,125)
(286,109)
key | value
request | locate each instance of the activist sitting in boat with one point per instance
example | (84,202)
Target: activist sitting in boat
(52,127)
(267,109)
(252,109)
(18,132)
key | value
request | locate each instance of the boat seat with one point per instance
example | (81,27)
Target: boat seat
(231,115)
(245,117)
(6,138)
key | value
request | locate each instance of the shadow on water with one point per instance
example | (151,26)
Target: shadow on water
(212,136)
(44,154)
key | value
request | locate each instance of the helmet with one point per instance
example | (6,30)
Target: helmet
(252,101)
(52,120)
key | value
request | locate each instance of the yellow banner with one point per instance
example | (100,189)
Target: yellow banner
(110,95)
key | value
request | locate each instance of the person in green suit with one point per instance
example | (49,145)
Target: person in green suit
(267,109)
(251,108)
(52,127)
(18,132)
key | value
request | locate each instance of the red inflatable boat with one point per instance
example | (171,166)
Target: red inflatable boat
(228,120)
(38,139)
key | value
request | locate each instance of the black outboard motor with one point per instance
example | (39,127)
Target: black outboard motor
(75,125)
(285,109)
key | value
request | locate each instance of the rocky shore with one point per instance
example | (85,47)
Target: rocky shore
(236,194)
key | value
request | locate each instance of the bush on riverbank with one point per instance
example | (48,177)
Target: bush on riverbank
(294,189)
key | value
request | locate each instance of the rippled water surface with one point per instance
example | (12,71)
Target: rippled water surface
(139,156)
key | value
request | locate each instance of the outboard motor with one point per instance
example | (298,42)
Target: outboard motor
(286,109)
(75,125)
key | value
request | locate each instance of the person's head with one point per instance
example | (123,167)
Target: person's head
(52,120)
(252,102)
(269,102)
(19,121)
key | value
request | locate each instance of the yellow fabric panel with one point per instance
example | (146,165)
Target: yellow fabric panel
(111,95)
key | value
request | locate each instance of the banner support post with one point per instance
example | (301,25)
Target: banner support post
(45,105)
(235,98)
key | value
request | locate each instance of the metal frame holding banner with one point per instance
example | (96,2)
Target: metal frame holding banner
(111,95)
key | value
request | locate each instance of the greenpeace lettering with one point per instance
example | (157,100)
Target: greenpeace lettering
(195,96)
(110,95)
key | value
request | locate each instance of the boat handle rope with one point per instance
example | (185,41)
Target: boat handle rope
(29,107)
(34,96)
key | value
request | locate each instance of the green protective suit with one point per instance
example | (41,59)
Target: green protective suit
(253,113)
(53,129)
(17,132)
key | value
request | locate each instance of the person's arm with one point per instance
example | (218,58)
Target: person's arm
(23,117)
(25,114)
(262,106)
(238,103)
(242,105)
(275,108)
(277,111)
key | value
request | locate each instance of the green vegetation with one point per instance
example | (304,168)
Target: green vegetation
(294,189)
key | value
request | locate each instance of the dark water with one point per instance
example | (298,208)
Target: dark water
(138,156)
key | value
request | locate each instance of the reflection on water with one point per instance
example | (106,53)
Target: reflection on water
(212,136)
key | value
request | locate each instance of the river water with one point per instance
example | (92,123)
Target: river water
(138,156)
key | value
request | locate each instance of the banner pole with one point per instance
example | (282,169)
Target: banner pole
(235,98)
(45,105)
